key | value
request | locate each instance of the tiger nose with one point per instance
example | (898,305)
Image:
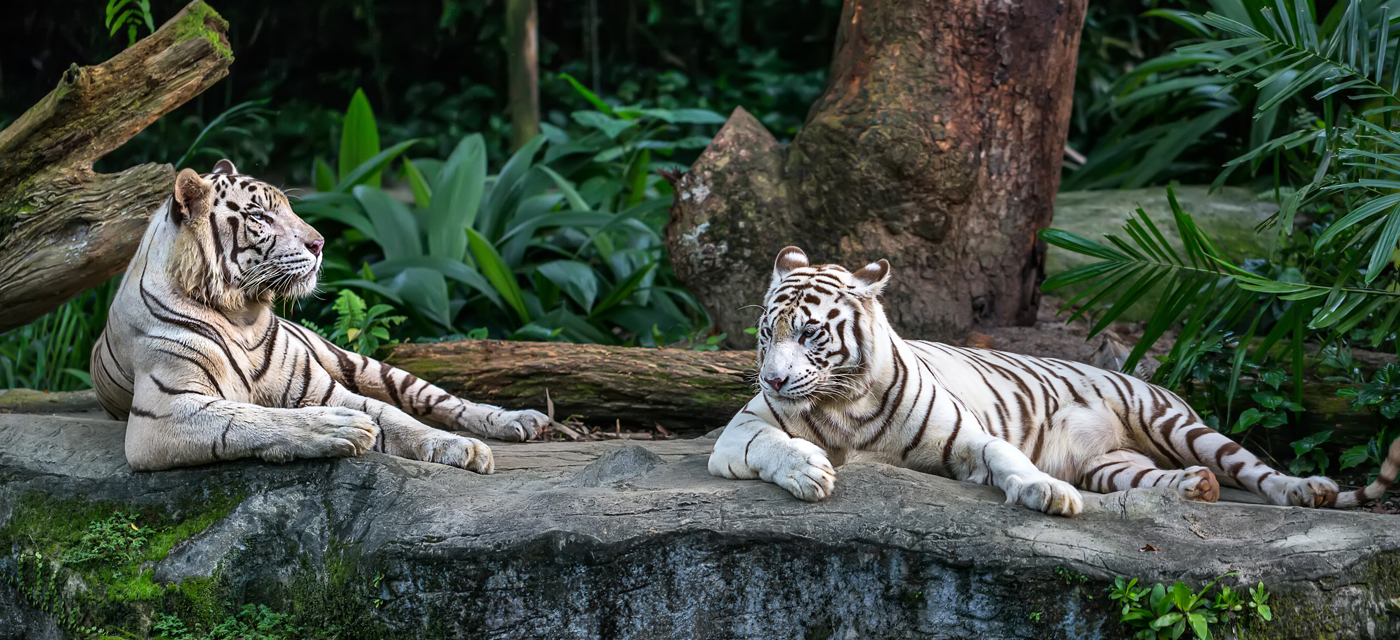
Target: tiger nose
(314,246)
(776,382)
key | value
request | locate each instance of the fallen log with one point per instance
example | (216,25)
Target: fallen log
(64,228)
(682,390)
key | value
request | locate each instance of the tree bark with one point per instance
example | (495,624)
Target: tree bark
(680,389)
(522,31)
(936,144)
(64,228)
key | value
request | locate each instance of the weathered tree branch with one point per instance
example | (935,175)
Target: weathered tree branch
(680,389)
(64,228)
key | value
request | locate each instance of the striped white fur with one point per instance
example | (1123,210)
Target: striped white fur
(195,359)
(836,382)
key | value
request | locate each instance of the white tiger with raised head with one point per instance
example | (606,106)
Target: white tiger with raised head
(836,380)
(194,357)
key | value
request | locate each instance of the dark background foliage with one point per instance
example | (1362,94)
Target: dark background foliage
(437,69)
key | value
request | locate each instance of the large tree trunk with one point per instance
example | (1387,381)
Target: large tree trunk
(522,37)
(64,228)
(936,144)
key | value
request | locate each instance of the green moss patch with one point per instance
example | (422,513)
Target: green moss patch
(201,22)
(91,566)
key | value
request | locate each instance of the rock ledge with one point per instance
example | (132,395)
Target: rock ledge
(637,540)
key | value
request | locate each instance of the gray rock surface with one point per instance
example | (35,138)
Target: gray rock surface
(637,540)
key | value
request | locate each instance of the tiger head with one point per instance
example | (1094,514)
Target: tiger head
(238,241)
(814,337)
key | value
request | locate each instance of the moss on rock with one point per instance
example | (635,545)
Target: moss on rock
(203,21)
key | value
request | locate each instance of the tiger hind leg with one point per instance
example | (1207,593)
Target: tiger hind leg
(1236,466)
(1123,469)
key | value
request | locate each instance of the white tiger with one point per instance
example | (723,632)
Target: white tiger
(193,355)
(836,380)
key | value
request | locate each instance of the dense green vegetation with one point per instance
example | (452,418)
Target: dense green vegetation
(1332,280)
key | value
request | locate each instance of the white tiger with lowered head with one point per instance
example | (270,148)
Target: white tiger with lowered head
(194,357)
(835,380)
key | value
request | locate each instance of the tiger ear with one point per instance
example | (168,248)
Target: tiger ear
(789,258)
(191,196)
(225,167)
(871,278)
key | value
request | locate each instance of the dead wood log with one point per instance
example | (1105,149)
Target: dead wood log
(936,144)
(680,389)
(63,227)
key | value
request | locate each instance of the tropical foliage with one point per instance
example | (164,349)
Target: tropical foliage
(562,243)
(1333,278)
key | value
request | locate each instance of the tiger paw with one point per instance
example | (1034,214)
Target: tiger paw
(1045,494)
(1312,492)
(459,451)
(1199,484)
(802,468)
(514,426)
(343,432)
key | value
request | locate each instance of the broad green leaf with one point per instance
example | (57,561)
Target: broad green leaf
(369,285)
(422,191)
(497,273)
(325,179)
(622,290)
(685,116)
(425,291)
(591,97)
(574,278)
(369,171)
(1199,626)
(575,200)
(359,138)
(454,269)
(611,127)
(394,225)
(340,207)
(508,190)
(457,198)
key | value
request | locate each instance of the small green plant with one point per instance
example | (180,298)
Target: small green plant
(356,328)
(130,14)
(1166,613)
(1273,404)
(1372,452)
(1310,456)
(1382,392)
(711,343)
(359,329)
(1035,616)
(1070,576)
(115,540)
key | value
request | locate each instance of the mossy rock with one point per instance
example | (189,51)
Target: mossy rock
(607,540)
(1228,217)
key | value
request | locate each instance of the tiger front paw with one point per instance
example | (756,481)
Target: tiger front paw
(803,469)
(459,451)
(331,432)
(1045,494)
(511,426)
